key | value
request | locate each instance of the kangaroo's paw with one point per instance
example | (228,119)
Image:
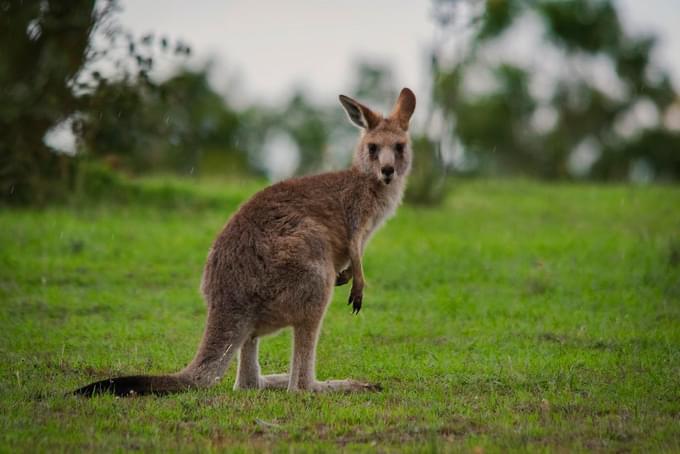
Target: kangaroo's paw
(356,296)
(348,385)
(343,277)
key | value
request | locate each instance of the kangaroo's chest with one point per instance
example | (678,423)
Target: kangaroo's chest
(385,208)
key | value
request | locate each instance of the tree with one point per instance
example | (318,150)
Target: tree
(578,128)
(308,125)
(47,73)
(141,125)
(45,45)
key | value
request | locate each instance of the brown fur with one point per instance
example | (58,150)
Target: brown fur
(277,260)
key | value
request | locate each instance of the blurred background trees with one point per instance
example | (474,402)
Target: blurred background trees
(44,47)
(580,99)
(583,100)
(49,85)
(170,126)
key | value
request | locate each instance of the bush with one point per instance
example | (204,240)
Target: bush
(427,183)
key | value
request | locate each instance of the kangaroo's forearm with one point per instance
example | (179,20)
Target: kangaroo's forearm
(356,295)
(356,266)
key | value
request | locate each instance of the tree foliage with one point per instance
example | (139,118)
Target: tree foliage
(141,125)
(44,48)
(48,74)
(500,127)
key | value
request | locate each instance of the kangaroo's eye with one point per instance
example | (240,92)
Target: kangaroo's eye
(373,150)
(399,147)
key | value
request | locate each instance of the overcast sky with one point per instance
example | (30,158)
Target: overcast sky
(265,48)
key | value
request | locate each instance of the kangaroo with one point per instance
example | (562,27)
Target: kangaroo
(277,260)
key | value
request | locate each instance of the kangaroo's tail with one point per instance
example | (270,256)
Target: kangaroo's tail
(137,384)
(221,340)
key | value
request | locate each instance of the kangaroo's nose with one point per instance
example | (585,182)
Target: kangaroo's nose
(387,171)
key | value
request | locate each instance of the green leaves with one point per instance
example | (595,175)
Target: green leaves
(578,77)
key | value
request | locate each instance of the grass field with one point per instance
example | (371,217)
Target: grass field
(518,316)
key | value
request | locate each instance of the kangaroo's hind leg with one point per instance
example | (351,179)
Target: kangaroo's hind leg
(305,338)
(222,338)
(248,375)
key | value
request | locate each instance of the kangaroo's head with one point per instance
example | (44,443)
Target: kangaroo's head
(384,149)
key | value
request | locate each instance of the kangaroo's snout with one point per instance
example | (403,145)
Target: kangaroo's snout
(387,173)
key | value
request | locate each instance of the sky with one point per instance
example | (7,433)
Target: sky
(263,49)
(266,48)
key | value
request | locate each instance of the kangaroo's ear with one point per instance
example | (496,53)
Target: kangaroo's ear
(404,107)
(360,115)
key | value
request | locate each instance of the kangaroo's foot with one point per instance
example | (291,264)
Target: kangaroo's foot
(276,381)
(348,385)
(282,381)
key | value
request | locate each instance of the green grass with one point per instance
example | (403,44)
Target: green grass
(518,316)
